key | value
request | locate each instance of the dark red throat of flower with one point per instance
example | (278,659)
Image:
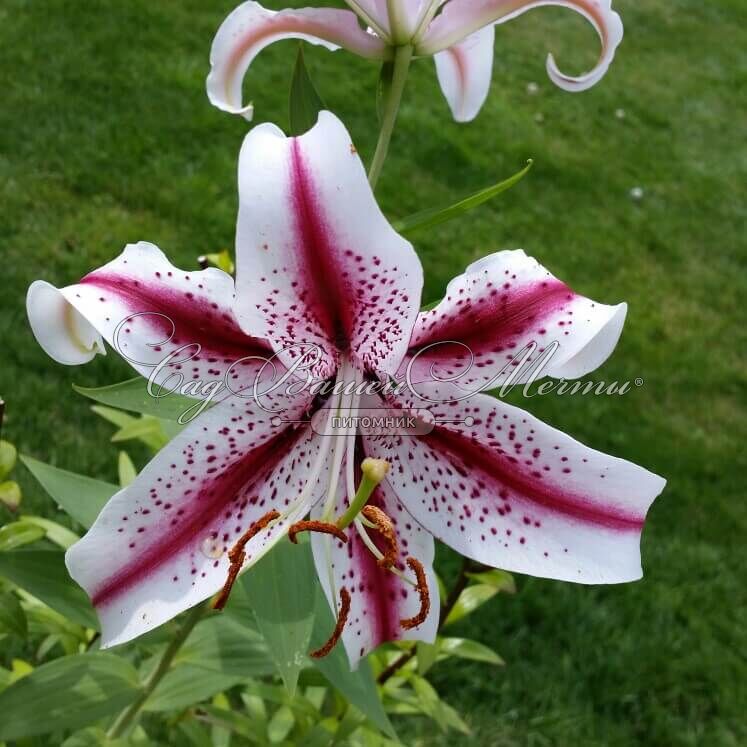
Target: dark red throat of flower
(237,556)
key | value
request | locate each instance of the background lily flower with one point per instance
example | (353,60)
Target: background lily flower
(458,33)
(319,266)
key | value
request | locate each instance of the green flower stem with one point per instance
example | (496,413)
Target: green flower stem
(402,59)
(125,719)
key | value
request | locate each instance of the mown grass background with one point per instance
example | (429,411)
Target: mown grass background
(106,137)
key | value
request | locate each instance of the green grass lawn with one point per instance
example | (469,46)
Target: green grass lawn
(107,137)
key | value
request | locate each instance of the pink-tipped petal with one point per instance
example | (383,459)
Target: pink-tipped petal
(250,28)
(504,488)
(379,599)
(161,544)
(152,313)
(479,332)
(317,261)
(464,71)
(463,17)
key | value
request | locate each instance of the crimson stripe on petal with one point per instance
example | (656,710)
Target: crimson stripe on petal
(502,487)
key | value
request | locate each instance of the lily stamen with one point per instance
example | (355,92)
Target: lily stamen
(384,526)
(369,543)
(425,598)
(237,556)
(324,527)
(342,618)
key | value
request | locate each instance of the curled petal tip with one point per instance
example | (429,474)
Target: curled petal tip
(610,29)
(250,28)
(61,330)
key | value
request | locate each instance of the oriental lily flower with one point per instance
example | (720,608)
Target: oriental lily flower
(320,269)
(459,34)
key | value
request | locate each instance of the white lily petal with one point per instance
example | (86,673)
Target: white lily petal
(464,72)
(317,261)
(250,28)
(499,306)
(62,331)
(379,599)
(460,18)
(183,320)
(502,487)
(161,544)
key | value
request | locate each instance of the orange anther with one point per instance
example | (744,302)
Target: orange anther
(425,599)
(342,618)
(237,556)
(315,526)
(385,528)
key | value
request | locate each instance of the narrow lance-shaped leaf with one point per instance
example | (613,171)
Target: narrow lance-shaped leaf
(281,590)
(54,532)
(305,102)
(188,685)
(18,534)
(12,617)
(80,497)
(469,600)
(133,395)
(126,469)
(42,574)
(67,694)
(467,649)
(434,216)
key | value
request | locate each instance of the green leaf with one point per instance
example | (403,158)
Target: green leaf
(10,494)
(251,728)
(18,534)
(116,417)
(443,714)
(281,589)
(133,395)
(427,655)
(219,653)
(42,574)
(359,687)
(220,736)
(225,645)
(68,693)
(434,216)
(53,531)
(188,685)
(469,600)
(472,650)
(305,103)
(95,736)
(146,428)
(8,456)
(12,617)
(126,469)
(79,496)
(222,260)
(499,580)
(280,724)
(194,733)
